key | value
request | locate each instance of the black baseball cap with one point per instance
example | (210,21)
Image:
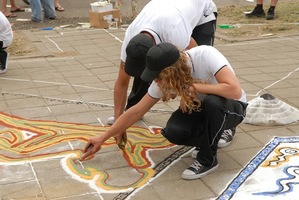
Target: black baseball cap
(136,54)
(158,58)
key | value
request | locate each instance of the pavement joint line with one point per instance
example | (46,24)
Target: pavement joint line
(283,78)
(261,40)
(63,34)
(116,38)
(55,83)
(36,179)
(48,37)
(72,101)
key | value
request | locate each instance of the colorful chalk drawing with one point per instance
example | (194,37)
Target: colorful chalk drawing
(272,174)
(23,140)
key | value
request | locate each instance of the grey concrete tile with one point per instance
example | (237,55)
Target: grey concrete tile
(218,179)
(25,103)
(267,135)
(15,174)
(59,187)
(32,113)
(22,190)
(243,156)
(82,118)
(147,193)
(182,189)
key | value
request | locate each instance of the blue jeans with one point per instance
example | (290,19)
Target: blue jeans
(37,8)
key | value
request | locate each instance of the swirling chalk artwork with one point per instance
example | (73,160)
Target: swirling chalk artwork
(272,174)
(23,141)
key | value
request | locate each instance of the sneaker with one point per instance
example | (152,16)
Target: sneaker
(197,170)
(3,61)
(225,140)
(110,121)
(256,13)
(270,14)
(227,137)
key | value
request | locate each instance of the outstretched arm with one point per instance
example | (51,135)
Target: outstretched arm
(126,120)
(120,99)
(120,91)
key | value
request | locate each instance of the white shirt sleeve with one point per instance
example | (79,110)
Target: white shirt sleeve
(154,91)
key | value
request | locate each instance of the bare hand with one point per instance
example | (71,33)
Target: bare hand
(93,145)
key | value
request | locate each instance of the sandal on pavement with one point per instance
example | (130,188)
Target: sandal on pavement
(18,10)
(59,8)
(10,15)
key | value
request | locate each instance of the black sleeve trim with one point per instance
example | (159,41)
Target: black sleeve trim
(220,69)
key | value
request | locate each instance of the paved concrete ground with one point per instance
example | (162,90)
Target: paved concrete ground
(53,101)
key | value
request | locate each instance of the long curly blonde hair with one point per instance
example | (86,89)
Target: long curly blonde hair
(176,80)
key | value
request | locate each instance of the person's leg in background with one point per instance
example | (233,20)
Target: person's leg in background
(58,7)
(5,11)
(49,9)
(134,6)
(15,8)
(258,11)
(36,10)
(271,13)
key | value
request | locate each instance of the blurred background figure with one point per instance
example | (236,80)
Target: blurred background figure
(57,5)
(41,9)
(258,11)
(13,8)
(134,6)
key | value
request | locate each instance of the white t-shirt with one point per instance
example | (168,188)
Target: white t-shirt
(206,61)
(6,35)
(170,21)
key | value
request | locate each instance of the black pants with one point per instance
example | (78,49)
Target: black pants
(204,34)
(204,128)
(139,89)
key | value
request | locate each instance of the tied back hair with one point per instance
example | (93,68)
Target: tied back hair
(176,80)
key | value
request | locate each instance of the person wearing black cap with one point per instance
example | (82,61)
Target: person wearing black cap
(211,100)
(185,24)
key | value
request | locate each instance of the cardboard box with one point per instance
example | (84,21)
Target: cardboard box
(97,7)
(100,19)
